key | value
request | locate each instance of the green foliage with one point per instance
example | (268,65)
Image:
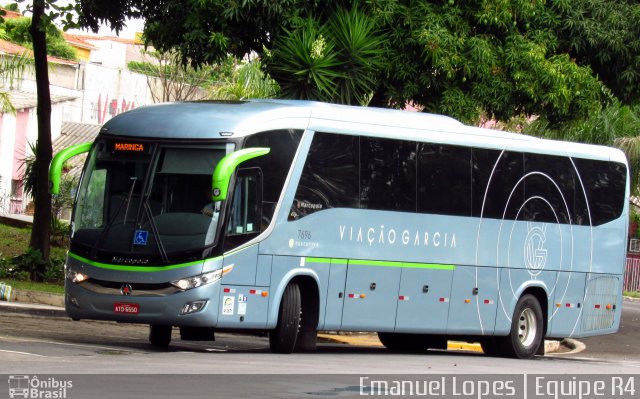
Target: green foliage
(11,7)
(605,35)
(15,241)
(501,58)
(56,287)
(66,198)
(11,70)
(337,61)
(7,270)
(246,81)
(17,31)
(59,231)
(175,80)
(29,166)
(31,266)
(469,58)
(202,77)
(305,63)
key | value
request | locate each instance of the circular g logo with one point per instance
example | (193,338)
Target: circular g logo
(535,256)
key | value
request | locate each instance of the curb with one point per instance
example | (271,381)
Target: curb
(32,309)
(37,297)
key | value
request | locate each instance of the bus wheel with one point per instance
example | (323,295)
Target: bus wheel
(283,338)
(160,336)
(398,342)
(527,326)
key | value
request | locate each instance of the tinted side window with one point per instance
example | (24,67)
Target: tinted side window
(274,166)
(506,193)
(329,177)
(550,189)
(387,174)
(444,179)
(605,183)
(482,163)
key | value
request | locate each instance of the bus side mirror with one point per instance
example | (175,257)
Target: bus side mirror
(227,165)
(55,169)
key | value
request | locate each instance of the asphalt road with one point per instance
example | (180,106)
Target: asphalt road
(242,366)
(625,344)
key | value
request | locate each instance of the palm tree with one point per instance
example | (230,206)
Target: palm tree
(11,70)
(337,61)
(247,81)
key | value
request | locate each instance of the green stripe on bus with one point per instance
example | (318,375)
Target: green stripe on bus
(135,268)
(382,263)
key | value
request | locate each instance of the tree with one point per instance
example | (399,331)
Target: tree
(11,70)
(337,61)
(604,35)
(246,80)
(17,31)
(41,230)
(43,13)
(169,79)
(499,58)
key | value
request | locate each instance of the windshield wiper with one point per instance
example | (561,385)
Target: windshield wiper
(145,209)
(156,234)
(103,233)
(126,211)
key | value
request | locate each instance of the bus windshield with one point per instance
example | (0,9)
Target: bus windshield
(147,202)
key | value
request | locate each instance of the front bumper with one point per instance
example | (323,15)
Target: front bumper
(81,303)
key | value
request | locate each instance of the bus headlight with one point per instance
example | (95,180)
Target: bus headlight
(197,281)
(76,277)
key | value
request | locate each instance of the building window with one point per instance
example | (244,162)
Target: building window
(16,188)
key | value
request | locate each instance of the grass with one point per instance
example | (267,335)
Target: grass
(31,286)
(632,294)
(15,241)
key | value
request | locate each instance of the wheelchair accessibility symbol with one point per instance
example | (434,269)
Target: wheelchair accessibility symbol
(140,237)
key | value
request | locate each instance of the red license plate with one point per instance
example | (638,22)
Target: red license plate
(126,308)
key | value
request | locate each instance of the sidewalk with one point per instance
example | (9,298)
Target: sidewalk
(16,220)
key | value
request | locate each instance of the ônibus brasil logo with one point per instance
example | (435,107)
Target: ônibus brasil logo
(24,386)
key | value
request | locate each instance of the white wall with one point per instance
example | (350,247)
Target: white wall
(110,91)
(108,53)
(7,143)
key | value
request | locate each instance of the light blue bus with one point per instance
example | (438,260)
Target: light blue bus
(291,217)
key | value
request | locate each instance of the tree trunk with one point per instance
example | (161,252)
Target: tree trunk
(42,216)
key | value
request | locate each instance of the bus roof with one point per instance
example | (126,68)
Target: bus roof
(224,119)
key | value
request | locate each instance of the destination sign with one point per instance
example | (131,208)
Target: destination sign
(128,147)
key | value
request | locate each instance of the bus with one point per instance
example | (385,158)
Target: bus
(292,217)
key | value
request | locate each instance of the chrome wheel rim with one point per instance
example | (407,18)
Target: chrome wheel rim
(527,327)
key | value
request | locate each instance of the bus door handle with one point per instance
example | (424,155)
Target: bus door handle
(372,287)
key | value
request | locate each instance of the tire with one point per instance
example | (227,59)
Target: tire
(283,338)
(405,343)
(160,336)
(527,330)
